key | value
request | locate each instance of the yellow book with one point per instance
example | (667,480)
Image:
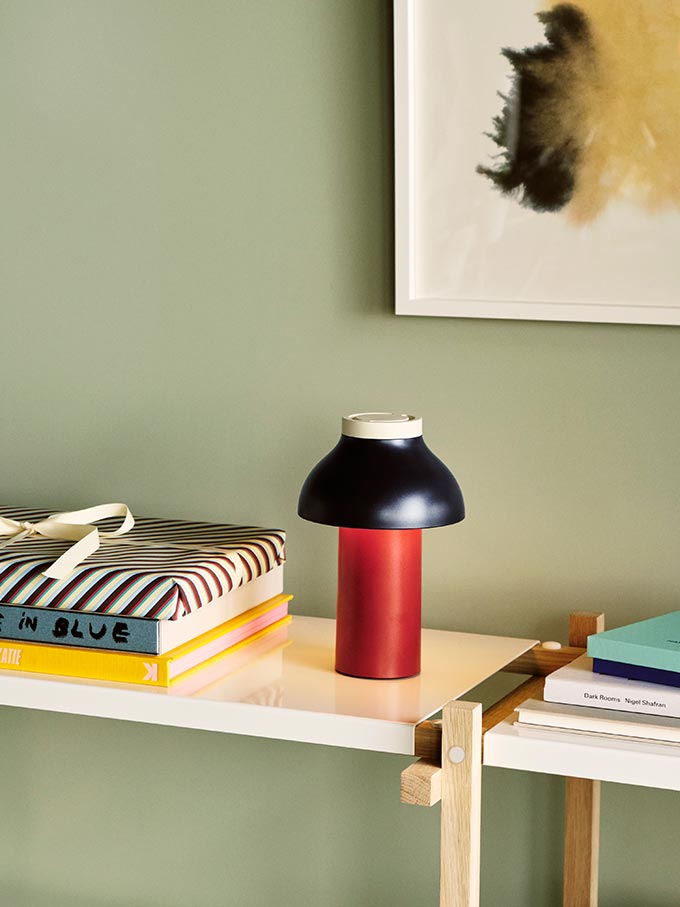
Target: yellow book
(151,670)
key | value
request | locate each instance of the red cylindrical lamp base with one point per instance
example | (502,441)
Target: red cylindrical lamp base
(379,597)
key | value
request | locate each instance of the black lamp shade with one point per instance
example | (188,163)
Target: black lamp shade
(381,484)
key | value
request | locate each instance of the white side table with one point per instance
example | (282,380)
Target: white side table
(285,688)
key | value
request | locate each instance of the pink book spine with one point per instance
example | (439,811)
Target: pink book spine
(237,635)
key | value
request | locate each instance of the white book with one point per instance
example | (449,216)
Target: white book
(581,719)
(577,684)
(173,633)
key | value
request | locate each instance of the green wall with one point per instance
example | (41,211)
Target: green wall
(196,271)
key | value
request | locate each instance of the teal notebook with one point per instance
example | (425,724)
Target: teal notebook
(653,643)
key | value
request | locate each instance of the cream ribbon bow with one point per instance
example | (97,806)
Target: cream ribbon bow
(71,527)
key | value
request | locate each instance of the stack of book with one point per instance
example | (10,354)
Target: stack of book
(172,602)
(627,685)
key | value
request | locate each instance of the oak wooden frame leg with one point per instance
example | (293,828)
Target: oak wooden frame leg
(581,842)
(461,795)
(450,768)
(582,804)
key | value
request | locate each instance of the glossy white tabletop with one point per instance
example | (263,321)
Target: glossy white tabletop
(644,763)
(284,687)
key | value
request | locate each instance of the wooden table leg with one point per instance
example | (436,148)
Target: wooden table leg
(582,804)
(461,793)
(581,842)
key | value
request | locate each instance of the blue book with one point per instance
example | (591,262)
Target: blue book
(652,643)
(75,628)
(636,672)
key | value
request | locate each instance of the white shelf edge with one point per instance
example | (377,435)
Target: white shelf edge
(146,707)
(641,763)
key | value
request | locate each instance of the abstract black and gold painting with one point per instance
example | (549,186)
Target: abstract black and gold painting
(543,159)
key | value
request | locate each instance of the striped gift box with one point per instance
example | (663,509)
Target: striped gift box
(161,569)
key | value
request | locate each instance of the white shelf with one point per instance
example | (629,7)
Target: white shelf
(285,687)
(583,756)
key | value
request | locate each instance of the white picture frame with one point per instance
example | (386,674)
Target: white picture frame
(649,287)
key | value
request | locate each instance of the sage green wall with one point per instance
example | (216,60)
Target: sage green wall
(196,271)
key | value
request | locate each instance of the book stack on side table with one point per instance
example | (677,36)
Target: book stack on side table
(648,651)
(626,686)
(173,602)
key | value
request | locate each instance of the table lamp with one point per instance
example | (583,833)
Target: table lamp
(381,486)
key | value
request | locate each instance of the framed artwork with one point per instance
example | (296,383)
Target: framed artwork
(538,159)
